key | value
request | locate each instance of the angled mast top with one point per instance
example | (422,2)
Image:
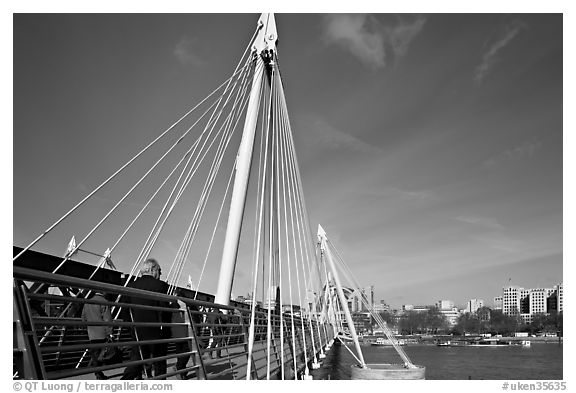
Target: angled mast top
(267,35)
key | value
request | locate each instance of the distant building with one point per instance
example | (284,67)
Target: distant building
(498,303)
(483,314)
(362,322)
(356,298)
(526,318)
(382,306)
(560,295)
(524,301)
(527,302)
(537,300)
(511,297)
(445,304)
(474,304)
(451,315)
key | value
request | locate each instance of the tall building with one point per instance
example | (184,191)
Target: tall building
(560,295)
(524,301)
(511,297)
(537,301)
(474,304)
(527,302)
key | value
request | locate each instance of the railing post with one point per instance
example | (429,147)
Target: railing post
(27,341)
(196,347)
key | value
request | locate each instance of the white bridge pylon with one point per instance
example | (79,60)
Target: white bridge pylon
(265,41)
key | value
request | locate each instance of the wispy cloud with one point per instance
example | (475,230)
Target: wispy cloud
(402,194)
(485,222)
(334,139)
(186,52)
(400,35)
(365,38)
(494,46)
(501,243)
(524,150)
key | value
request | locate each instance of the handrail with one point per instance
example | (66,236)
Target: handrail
(212,329)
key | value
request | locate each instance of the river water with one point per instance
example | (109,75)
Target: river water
(539,361)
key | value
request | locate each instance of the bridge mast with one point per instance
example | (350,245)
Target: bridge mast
(265,40)
(323,239)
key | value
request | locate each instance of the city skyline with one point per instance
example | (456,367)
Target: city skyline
(430,146)
(459,303)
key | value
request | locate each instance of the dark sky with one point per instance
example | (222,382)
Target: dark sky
(430,145)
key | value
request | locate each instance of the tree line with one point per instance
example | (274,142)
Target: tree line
(485,320)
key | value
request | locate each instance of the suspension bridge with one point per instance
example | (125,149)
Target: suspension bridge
(235,200)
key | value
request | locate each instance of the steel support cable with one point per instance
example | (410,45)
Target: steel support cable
(271,231)
(140,213)
(387,331)
(246,67)
(148,244)
(324,312)
(226,137)
(302,207)
(214,231)
(317,299)
(134,220)
(298,196)
(293,201)
(224,142)
(257,210)
(213,121)
(306,218)
(258,234)
(67,257)
(327,290)
(285,130)
(293,225)
(285,198)
(153,236)
(276,146)
(299,248)
(50,228)
(158,226)
(266,207)
(276,192)
(348,274)
(341,324)
(388,334)
(225,126)
(256,260)
(121,200)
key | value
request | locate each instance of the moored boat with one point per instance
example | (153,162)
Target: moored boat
(497,342)
(381,341)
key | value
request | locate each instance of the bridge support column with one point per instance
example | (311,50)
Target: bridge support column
(324,246)
(265,40)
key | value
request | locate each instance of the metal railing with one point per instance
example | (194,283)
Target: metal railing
(210,339)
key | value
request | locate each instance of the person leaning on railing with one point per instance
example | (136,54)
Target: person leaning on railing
(149,281)
(97,334)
